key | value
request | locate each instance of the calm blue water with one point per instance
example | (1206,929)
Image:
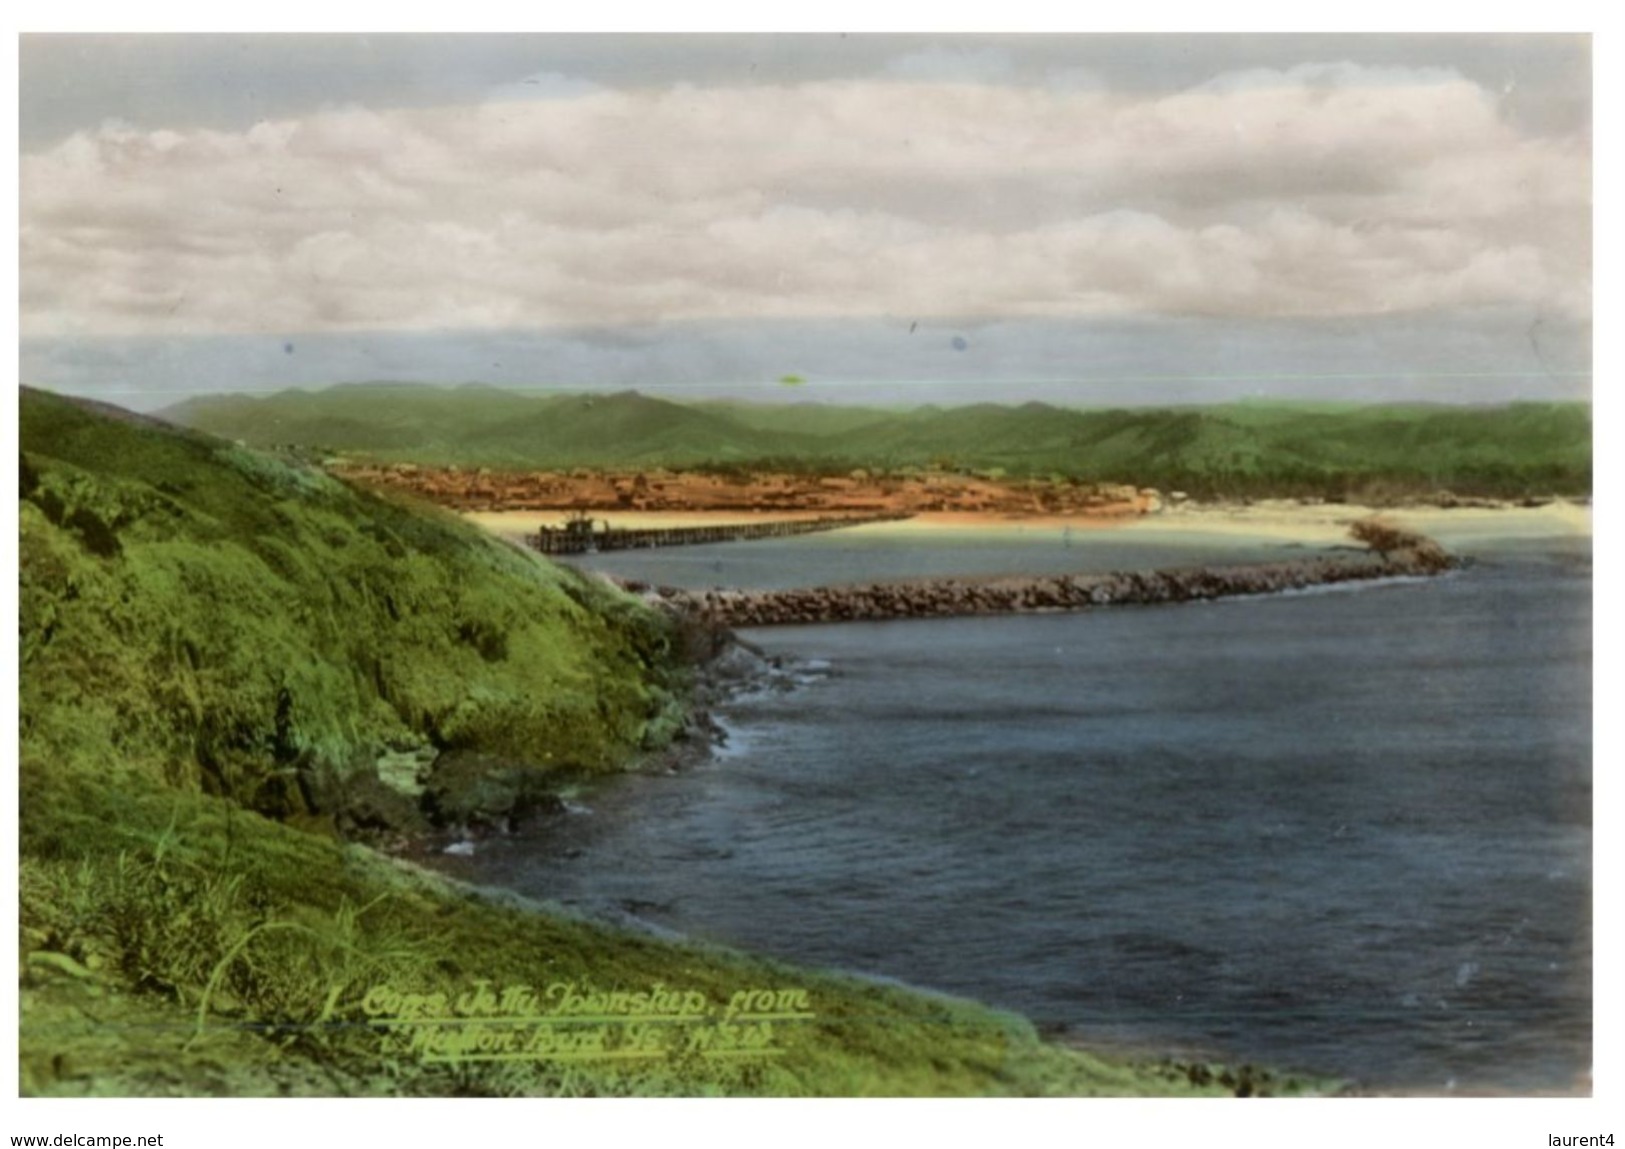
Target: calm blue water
(873,554)
(1344,832)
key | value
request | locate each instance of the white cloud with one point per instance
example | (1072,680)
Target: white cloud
(1326,75)
(1324,190)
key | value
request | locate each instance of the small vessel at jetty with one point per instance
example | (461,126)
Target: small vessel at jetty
(582,534)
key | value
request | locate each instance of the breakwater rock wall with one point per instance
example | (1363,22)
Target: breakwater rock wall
(939,598)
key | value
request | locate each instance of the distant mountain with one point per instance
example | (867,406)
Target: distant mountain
(818,419)
(484,426)
(381,417)
(1242,449)
(626,428)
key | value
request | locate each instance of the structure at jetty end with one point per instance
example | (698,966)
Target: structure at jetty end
(582,534)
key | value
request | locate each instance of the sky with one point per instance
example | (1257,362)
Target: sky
(892,219)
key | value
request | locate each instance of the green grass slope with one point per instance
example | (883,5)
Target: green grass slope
(231,622)
(215,648)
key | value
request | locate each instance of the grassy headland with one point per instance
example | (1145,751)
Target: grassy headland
(219,651)
(1348,452)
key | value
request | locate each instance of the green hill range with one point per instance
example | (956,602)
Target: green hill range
(1241,450)
(225,661)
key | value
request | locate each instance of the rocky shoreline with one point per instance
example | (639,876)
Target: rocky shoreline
(1392,555)
(445,802)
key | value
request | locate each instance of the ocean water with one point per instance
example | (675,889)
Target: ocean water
(1345,833)
(880,553)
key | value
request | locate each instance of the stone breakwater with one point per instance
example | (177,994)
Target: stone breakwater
(942,598)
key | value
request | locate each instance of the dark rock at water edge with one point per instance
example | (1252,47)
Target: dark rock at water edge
(470,791)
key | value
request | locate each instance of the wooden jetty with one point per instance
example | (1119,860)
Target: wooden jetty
(581,534)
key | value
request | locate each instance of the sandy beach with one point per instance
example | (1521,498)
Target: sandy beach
(1326,523)
(1277,521)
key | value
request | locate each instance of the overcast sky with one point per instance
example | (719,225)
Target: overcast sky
(1394,216)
